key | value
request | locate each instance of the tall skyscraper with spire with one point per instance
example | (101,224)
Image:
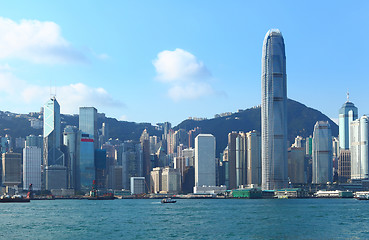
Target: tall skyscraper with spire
(54,165)
(274,112)
(348,113)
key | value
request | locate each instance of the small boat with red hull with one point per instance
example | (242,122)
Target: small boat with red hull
(95,196)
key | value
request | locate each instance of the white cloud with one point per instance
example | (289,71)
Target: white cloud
(191,90)
(19,95)
(188,78)
(36,41)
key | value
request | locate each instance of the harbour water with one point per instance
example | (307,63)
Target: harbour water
(186,219)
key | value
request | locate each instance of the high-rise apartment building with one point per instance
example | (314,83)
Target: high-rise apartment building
(322,168)
(253,158)
(232,159)
(274,112)
(241,168)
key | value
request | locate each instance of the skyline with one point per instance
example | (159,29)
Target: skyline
(139,61)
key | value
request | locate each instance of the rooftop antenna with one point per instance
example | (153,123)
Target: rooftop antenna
(52,95)
(348,96)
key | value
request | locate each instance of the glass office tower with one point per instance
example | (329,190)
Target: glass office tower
(88,122)
(274,112)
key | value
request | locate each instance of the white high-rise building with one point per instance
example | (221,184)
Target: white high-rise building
(274,112)
(253,158)
(205,160)
(359,137)
(348,113)
(32,167)
(322,168)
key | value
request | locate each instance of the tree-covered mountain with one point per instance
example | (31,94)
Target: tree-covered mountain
(301,120)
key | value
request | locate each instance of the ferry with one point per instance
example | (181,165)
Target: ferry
(362,197)
(168,200)
(15,198)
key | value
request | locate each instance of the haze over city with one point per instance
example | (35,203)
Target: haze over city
(162,61)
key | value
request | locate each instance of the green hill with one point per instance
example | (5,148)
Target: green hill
(301,120)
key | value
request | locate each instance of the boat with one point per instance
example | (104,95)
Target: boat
(95,196)
(168,200)
(15,198)
(103,197)
(362,197)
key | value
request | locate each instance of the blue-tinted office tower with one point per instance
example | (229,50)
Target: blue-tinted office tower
(100,168)
(54,166)
(88,122)
(86,160)
(87,143)
(274,112)
(348,113)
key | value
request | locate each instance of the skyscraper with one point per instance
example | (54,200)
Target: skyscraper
(322,153)
(52,134)
(205,160)
(274,112)
(54,164)
(32,167)
(70,141)
(232,159)
(253,158)
(359,138)
(88,123)
(347,114)
(241,156)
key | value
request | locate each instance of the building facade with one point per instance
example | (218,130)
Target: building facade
(11,169)
(253,158)
(88,123)
(322,167)
(274,112)
(32,167)
(205,160)
(296,165)
(359,137)
(52,155)
(348,113)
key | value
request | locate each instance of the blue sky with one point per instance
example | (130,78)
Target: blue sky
(156,61)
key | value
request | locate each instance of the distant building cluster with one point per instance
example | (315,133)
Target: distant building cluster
(79,157)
